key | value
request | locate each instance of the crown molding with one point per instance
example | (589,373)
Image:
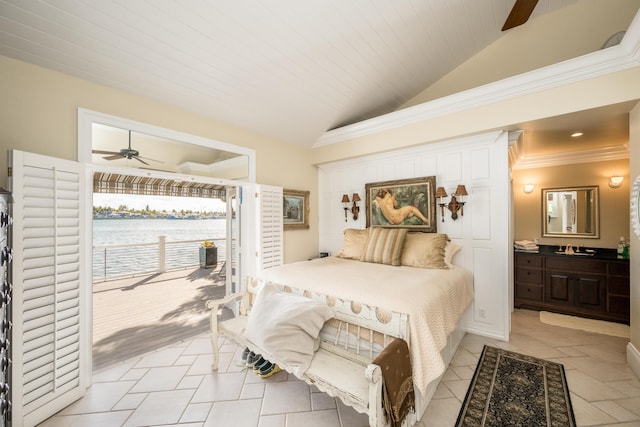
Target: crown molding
(617,58)
(519,161)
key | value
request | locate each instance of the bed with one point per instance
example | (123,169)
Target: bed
(395,271)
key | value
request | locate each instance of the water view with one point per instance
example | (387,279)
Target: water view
(113,255)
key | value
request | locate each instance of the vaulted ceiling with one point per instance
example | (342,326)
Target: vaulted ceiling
(288,69)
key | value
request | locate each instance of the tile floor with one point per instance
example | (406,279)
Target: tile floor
(174,386)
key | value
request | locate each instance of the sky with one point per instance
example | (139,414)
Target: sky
(159,203)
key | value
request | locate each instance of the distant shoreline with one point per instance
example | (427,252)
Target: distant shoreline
(186,217)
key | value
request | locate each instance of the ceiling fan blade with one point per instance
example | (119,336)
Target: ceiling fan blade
(114,157)
(140,160)
(104,152)
(520,13)
(147,158)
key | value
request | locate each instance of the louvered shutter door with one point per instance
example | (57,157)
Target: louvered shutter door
(271,229)
(50,338)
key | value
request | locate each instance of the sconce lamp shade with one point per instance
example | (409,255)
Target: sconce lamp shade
(355,197)
(528,188)
(440,192)
(461,191)
(616,181)
(345,198)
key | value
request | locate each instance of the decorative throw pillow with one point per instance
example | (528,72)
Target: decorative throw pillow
(449,251)
(384,245)
(354,243)
(286,326)
(424,250)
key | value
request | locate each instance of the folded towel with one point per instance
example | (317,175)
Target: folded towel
(398,397)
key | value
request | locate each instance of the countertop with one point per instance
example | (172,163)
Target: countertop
(598,253)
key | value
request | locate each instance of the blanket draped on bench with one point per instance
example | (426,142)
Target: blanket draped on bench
(398,396)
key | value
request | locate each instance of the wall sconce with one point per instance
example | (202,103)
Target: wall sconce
(528,188)
(454,204)
(615,181)
(355,209)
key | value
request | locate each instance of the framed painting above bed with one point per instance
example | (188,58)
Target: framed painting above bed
(404,203)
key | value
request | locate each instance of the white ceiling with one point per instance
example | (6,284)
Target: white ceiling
(288,69)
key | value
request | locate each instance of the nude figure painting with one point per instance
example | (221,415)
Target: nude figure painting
(408,203)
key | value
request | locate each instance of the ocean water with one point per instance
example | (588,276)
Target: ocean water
(110,261)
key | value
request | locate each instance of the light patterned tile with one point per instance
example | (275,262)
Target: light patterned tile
(287,396)
(589,388)
(632,404)
(458,388)
(163,407)
(101,419)
(130,401)
(615,410)
(196,412)
(156,379)
(239,413)
(464,372)
(163,357)
(351,418)
(100,397)
(218,387)
(278,420)
(588,415)
(252,391)
(594,367)
(444,413)
(327,418)
(322,401)
(442,392)
(191,381)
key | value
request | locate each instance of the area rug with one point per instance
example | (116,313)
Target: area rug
(512,389)
(589,325)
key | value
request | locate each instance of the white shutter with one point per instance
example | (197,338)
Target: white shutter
(270,252)
(49,338)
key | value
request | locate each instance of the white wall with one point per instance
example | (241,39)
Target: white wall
(480,163)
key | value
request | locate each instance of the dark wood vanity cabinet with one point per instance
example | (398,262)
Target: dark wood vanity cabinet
(583,286)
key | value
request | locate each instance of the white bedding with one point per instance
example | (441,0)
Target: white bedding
(434,299)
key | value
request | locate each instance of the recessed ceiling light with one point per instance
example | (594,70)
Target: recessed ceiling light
(576,134)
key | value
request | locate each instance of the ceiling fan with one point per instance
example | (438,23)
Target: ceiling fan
(128,153)
(520,13)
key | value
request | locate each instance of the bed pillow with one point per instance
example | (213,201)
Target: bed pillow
(286,326)
(384,245)
(449,251)
(424,250)
(354,243)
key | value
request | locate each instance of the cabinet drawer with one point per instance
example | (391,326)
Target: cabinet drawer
(618,286)
(619,268)
(530,292)
(529,275)
(619,305)
(576,264)
(529,260)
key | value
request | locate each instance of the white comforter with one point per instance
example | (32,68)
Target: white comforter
(434,299)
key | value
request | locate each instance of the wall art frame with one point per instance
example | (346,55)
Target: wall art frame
(404,203)
(295,209)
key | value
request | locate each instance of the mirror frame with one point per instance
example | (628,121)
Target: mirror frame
(596,225)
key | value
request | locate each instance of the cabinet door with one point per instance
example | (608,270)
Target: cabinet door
(558,288)
(590,292)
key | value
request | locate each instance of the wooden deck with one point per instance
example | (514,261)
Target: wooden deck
(135,315)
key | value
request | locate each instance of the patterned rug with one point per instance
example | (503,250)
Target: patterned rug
(512,389)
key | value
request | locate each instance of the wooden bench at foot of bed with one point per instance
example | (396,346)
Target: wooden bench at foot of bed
(341,367)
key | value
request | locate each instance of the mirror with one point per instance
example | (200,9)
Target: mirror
(570,212)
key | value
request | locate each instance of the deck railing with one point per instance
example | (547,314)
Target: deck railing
(118,261)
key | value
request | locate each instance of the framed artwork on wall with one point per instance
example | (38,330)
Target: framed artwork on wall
(295,209)
(406,203)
